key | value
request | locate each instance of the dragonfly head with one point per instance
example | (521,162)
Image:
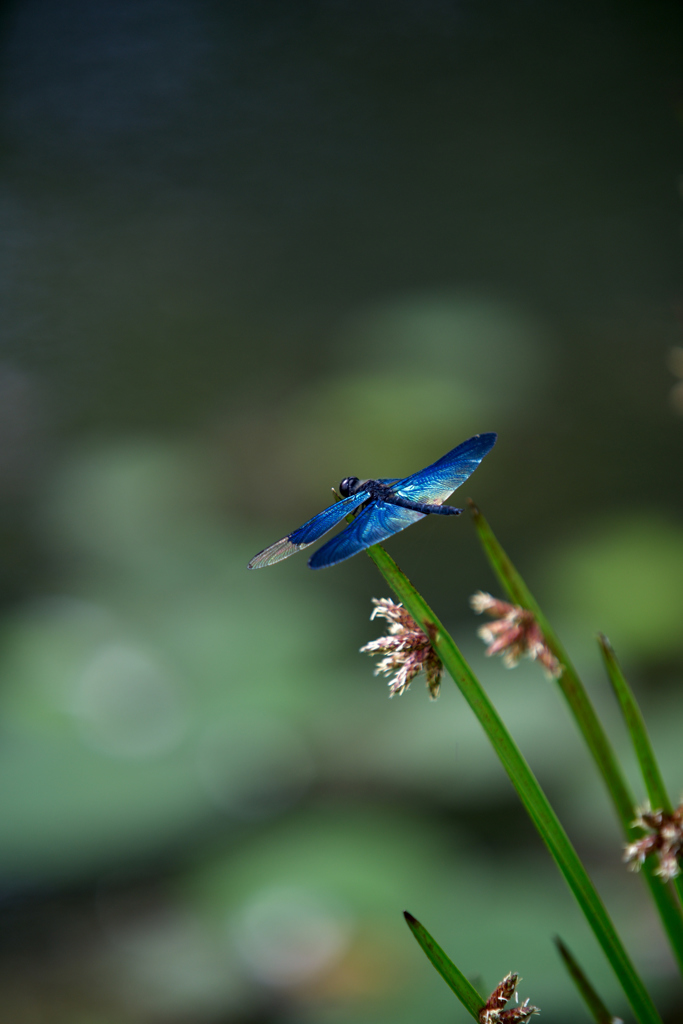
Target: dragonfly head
(348,486)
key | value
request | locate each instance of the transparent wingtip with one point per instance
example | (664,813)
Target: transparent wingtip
(275,553)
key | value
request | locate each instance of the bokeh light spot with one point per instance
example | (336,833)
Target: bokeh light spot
(287,935)
(127,705)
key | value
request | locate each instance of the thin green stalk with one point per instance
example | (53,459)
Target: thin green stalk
(668,906)
(596,1007)
(454,978)
(635,723)
(569,682)
(524,781)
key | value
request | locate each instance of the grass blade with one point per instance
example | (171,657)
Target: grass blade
(635,723)
(524,781)
(455,979)
(569,682)
(596,1007)
(668,906)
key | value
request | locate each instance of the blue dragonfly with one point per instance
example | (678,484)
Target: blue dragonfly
(389,506)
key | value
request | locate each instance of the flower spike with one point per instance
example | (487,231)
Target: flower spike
(407,649)
(494,1012)
(664,836)
(514,635)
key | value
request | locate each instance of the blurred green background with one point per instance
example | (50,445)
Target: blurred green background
(248,249)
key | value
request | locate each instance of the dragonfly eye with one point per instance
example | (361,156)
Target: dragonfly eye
(348,486)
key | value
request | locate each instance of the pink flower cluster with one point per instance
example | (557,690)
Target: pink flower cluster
(514,635)
(407,649)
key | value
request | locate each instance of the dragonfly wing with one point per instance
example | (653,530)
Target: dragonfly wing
(374,524)
(435,483)
(308,533)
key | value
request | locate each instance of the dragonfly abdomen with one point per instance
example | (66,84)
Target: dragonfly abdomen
(423,506)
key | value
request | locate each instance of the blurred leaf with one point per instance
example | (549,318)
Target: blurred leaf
(356,423)
(624,577)
(495,350)
(142,698)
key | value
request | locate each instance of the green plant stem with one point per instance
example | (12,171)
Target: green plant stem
(524,781)
(596,1007)
(569,682)
(654,783)
(590,727)
(635,723)
(454,978)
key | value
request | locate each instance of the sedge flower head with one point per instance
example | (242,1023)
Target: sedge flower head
(407,650)
(494,1012)
(663,836)
(515,634)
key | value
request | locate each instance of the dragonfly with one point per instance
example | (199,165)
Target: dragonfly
(382,507)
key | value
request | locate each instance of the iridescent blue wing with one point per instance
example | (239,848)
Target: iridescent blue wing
(308,533)
(374,524)
(435,483)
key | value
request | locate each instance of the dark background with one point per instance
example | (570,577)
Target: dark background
(248,249)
